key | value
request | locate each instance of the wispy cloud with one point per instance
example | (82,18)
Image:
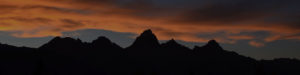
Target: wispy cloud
(185,21)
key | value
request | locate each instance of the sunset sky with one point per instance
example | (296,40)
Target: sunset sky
(262,29)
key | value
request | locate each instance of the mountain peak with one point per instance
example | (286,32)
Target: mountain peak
(103,42)
(65,39)
(147,32)
(59,41)
(213,42)
(146,39)
(172,42)
(102,39)
(214,45)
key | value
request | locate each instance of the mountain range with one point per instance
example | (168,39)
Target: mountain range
(146,56)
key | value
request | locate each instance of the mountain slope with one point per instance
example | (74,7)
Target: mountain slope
(18,60)
(214,60)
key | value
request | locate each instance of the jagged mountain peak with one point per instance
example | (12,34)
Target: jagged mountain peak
(172,42)
(62,41)
(148,31)
(147,34)
(214,45)
(146,39)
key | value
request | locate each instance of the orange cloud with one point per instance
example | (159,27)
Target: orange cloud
(242,37)
(256,44)
(40,18)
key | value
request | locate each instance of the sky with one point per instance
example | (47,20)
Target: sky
(262,29)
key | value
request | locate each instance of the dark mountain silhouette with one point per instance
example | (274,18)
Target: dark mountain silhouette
(18,60)
(146,40)
(281,66)
(62,56)
(146,56)
(216,61)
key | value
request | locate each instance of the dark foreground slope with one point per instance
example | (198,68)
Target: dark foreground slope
(18,60)
(146,56)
